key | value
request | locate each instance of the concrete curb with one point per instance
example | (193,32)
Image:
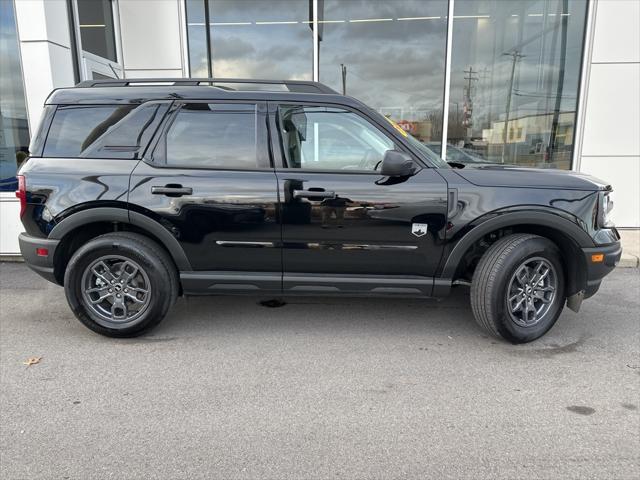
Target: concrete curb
(629,261)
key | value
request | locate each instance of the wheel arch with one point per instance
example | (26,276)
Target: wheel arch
(566,234)
(82,226)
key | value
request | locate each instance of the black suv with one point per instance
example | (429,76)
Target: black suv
(139,191)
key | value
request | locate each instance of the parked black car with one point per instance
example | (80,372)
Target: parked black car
(139,191)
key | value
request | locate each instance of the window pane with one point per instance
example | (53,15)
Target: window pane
(324,138)
(96,28)
(196,32)
(261,39)
(14,129)
(393,54)
(515,63)
(213,136)
(75,129)
(129,136)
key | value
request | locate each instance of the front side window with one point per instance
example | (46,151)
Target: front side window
(328,138)
(206,135)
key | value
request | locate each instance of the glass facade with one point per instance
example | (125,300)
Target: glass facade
(14,128)
(390,55)
(514,71)
(250,39)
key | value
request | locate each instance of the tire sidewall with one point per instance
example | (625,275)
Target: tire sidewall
(155,270)
(534,247)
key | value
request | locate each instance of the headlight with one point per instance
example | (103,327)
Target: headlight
(604,209)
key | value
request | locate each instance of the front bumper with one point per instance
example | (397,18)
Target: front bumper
(39,263)
(597,270)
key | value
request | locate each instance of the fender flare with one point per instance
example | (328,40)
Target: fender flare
(113,214)
(527,217)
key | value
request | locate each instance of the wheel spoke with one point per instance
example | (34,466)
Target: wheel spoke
(126,276)
(518,306)
(134,298)
(119,306)
(138,289)
(103,275)
(541,297)
(97,289)
(522,276)
(101,298)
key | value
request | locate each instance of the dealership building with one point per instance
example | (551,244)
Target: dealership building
(544,83)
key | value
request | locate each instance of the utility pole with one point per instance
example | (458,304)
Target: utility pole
(467,108)
(343,70)
(516,56)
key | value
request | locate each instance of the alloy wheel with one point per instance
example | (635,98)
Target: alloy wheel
(532,291)
(117,290)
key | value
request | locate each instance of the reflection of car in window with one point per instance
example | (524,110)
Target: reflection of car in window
(288,188)
(458,154)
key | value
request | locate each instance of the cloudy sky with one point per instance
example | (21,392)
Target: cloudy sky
(394,51)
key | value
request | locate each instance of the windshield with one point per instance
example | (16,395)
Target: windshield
(427,152)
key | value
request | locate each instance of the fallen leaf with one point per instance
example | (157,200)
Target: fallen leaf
(32,361)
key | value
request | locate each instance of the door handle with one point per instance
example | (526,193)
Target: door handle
(172,190)
(313,194)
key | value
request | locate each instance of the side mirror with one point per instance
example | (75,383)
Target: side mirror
(397,164)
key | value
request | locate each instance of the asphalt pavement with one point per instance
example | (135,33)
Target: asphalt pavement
(226,388)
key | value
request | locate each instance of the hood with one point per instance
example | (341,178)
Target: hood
(520,177)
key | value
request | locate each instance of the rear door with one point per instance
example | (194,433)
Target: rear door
(209,181)
(345,227)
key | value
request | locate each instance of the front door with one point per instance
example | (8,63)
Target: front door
(346,228)
(209,181)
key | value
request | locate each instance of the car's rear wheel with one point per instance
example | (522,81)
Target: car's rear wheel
(517,290)
(120,284)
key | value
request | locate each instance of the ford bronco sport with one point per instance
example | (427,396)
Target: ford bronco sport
(138,191)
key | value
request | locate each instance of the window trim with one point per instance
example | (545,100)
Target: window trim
(277,144)
(156,155)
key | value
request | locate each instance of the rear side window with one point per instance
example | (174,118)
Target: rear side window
(208,135)
(103,131)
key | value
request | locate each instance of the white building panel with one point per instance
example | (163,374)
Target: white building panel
(624,175)
(10,224)
(617,31)
(43,20)
(612,119)
(151,34)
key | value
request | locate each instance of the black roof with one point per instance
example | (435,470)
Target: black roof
(136,90)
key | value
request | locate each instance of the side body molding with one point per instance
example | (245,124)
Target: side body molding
(537,217)
(112,214)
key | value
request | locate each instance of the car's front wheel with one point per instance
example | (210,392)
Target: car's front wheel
(517,290)
(120,284)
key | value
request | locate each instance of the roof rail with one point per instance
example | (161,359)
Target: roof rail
(298,86)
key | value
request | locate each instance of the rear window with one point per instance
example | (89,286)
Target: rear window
(103,131)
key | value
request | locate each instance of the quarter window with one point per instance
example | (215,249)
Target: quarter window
(209,135)
(102,131)
(328,138)
(74,129)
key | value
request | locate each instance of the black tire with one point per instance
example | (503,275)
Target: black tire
(155,268)
(494,283)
